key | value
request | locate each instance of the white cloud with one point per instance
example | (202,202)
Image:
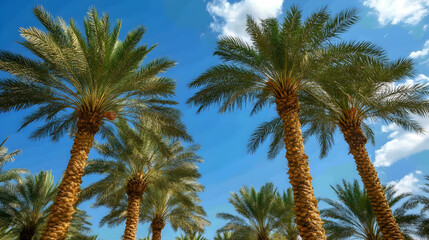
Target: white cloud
(397,11)
(229,19)
(403,144)
(406,184)
(419,172)
(421,53)
(425,27)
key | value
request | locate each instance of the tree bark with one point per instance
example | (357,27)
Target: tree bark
(386,221)
(136,186)
(133,211)
(307,219)
(62,211)
(157,225)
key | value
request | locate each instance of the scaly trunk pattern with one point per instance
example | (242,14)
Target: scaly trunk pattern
(62,211)
(157,225)
(386,221)
(136,186)
(307,219)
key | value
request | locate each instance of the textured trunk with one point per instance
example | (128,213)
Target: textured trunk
(157,225)
(136,186)
(385,219)
(308,220)
(133,211)
(63,207)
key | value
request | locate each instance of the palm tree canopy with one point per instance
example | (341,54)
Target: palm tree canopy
(424,200)
(6,156)
(352,215)
(282,58)
(128,154)
(352,93)
(191,236)
(285,214)
(25,206)
(91,72)
(255,209)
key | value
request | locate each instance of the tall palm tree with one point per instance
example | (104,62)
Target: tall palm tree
(353,216)
(358,90)
(5,157)
(78,83)
(278,65)
(257,220)
(132,163)
(25,207)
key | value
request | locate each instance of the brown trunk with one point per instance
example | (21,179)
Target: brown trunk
(133,211)
(385,219)
(135,189)
(157,225)
(307,219)
(62,211)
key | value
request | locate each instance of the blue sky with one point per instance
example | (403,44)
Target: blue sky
(186,31)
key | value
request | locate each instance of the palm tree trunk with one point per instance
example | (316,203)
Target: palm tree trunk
(62,210)
(157,225)
(385,219)
(133,211)
(307,219)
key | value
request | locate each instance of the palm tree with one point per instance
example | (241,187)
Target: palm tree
(132,163)
(191,236)
(79,83)
(274,69)
(175,205)
(223,236)
(286,215)
(354,217)
(361,89)
(5,157)
(257,208)
(424,200)
(25,207)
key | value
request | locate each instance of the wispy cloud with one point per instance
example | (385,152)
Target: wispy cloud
(421,53)
(229,19)
(399,11)
(403,144)
(406,184)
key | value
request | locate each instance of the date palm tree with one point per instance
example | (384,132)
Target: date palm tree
(78,83)
(132,163)
(279,64)
(25,207)
(358,90)
(223,236)
(257,209)
(353,216)
(6,156)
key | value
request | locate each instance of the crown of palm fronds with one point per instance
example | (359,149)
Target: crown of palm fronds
(352,215)
(130,152)
(191,236)
(282,58)
(358,91)
(92,72)
(25,206)
(259,213)
(5,157)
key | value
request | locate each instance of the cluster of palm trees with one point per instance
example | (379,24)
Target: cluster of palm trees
(89,83)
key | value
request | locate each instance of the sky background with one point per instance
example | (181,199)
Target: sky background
(187,31)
